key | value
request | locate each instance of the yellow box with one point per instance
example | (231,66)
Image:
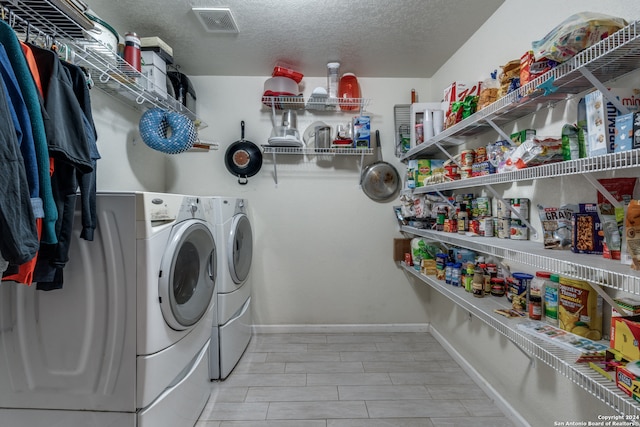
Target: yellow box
(579,308)
(628,383)
(625,335)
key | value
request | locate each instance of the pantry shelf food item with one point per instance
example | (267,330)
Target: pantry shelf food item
(574,34)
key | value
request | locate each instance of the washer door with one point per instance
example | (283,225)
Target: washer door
(187,274)
(240,248)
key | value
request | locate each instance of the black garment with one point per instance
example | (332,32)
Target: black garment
(87,181)
(68,146)
(18,233)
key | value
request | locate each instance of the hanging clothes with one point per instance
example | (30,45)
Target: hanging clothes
(87,181)
(32,102)
(19,241)
(69,147)
(24,272)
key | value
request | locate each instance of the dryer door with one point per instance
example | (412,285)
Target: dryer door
(240,249)
(187,274)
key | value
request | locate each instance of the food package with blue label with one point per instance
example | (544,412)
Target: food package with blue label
(601,118)
(362,132)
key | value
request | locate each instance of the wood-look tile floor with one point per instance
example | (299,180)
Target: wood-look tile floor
(348,380)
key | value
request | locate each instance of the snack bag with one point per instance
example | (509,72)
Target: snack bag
(632,232)
(574,34)
(612,218)
(557,227)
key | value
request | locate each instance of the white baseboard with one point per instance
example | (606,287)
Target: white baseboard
(340,329)
(500,402)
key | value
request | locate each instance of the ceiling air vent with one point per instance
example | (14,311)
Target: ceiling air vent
(216,19)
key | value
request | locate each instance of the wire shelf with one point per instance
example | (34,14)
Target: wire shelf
(592,268)
(559,359)
(606,162)
(298,103)
(611,58)
(270,149)
(67,25)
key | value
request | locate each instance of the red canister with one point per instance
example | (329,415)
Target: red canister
(349,92)
(132,51)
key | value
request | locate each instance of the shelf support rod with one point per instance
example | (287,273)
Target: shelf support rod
(275,167)
(524,351)
(446,153)
(534,233)
(605,91)
(497,129)
(596,184)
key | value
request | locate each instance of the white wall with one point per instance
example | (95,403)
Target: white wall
(323,250)
(538,393)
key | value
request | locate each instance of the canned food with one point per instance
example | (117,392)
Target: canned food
(521,206)
(474,226)
(481,154)
(467,158)
(504,228)
(518,230)
(486,227)
(503,210)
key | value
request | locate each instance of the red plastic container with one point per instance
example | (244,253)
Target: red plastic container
(286,72)
(349,92)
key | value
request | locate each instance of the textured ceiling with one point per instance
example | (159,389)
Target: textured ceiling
(371,38)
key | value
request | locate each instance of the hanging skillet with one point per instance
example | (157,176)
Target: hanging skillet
(243,158)
(380,180)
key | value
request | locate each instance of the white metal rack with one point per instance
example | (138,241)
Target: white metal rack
(559,359)
(591,268)
(324,106)
(109,72)
(604,163)
(328,105)
(323,153)
(611,58)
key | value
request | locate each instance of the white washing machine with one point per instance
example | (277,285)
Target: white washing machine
(235,250)
(125,342)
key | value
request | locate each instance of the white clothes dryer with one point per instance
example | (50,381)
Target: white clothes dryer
(235,251)
(125,342)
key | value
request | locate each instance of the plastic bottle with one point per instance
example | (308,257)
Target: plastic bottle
(333,70)
(456,273)
(463,219)
(551,300)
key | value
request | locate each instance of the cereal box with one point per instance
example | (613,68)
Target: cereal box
(601,118)
(587,230)
(623,140)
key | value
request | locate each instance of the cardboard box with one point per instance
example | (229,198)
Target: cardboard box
(628,383)
(601,118)
(401,247)
(625,336)
(154,71)
(624,133)
(579,308)
(521,136)
(632,305)
(587,235)
(636,131)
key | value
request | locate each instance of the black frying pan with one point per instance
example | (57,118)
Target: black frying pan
(243,158)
